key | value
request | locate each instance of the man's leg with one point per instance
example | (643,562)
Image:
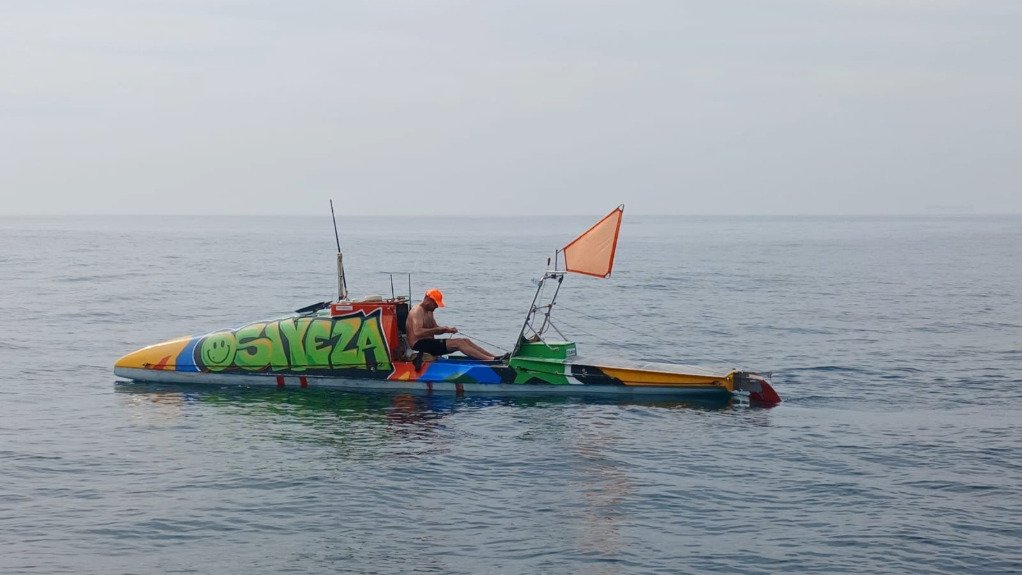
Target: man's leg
(483,352)
(468,348)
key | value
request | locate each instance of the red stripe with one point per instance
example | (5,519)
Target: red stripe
(280,381)
(303,381)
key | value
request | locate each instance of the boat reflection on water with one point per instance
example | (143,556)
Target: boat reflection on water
(354,425)
(168,401)
(317,408)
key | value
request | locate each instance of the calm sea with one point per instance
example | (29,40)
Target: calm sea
(896,344)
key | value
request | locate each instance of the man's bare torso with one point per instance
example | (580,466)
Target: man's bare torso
(423,318)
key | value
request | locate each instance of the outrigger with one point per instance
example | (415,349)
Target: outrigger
(359,344)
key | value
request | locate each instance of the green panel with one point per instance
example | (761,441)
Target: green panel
(547,370)
(560,350)
(539,361)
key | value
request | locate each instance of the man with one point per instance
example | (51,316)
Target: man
(421,328)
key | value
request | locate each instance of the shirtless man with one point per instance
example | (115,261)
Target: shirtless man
(421,327)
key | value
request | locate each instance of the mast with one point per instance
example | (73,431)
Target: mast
(342,285)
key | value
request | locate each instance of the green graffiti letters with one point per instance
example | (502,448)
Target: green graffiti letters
(294,330)
(357,345)
(317,344)
(299,344)
(278,355)
(254,348)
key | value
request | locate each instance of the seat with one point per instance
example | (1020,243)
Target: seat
(404,352)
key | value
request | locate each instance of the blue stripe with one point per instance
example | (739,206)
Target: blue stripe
(186,359)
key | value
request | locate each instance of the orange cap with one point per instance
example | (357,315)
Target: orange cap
(435,295)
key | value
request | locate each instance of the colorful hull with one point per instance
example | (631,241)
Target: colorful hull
(359,347)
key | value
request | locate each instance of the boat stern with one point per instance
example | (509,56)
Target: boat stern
(757,386)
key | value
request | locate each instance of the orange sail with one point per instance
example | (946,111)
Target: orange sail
(592,253)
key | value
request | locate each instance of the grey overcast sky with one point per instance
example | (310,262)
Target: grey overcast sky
(516,107)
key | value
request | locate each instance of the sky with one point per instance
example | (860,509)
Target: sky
(393,107)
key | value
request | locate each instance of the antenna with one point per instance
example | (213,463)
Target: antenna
(342,285)
(336,236)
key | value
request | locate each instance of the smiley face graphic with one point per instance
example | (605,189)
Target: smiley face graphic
(217,351)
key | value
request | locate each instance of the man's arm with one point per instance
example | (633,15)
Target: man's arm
(416,331)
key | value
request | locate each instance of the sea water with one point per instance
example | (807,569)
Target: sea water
(896,344)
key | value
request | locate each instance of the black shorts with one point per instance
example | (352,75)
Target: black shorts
(432,346)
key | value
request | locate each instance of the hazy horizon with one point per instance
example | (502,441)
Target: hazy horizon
(246,107)
(628,214)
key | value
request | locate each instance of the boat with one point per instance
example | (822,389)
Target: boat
(359,344)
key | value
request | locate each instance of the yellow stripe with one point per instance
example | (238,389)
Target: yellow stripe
(154,354)
(667,379)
